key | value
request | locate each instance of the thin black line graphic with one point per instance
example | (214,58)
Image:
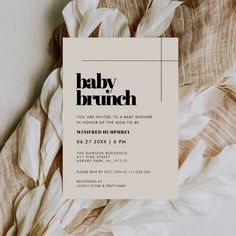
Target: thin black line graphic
(128,60)
(140,60)
(161,74)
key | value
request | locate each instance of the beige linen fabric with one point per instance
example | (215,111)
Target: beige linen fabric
(207,36)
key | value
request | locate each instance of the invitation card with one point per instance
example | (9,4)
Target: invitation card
(120,118)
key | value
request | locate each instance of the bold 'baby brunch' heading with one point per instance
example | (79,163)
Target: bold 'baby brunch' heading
(105,84)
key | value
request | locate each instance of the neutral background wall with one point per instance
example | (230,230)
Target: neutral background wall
(26,27)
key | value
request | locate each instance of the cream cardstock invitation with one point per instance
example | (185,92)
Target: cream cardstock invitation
(120,118)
